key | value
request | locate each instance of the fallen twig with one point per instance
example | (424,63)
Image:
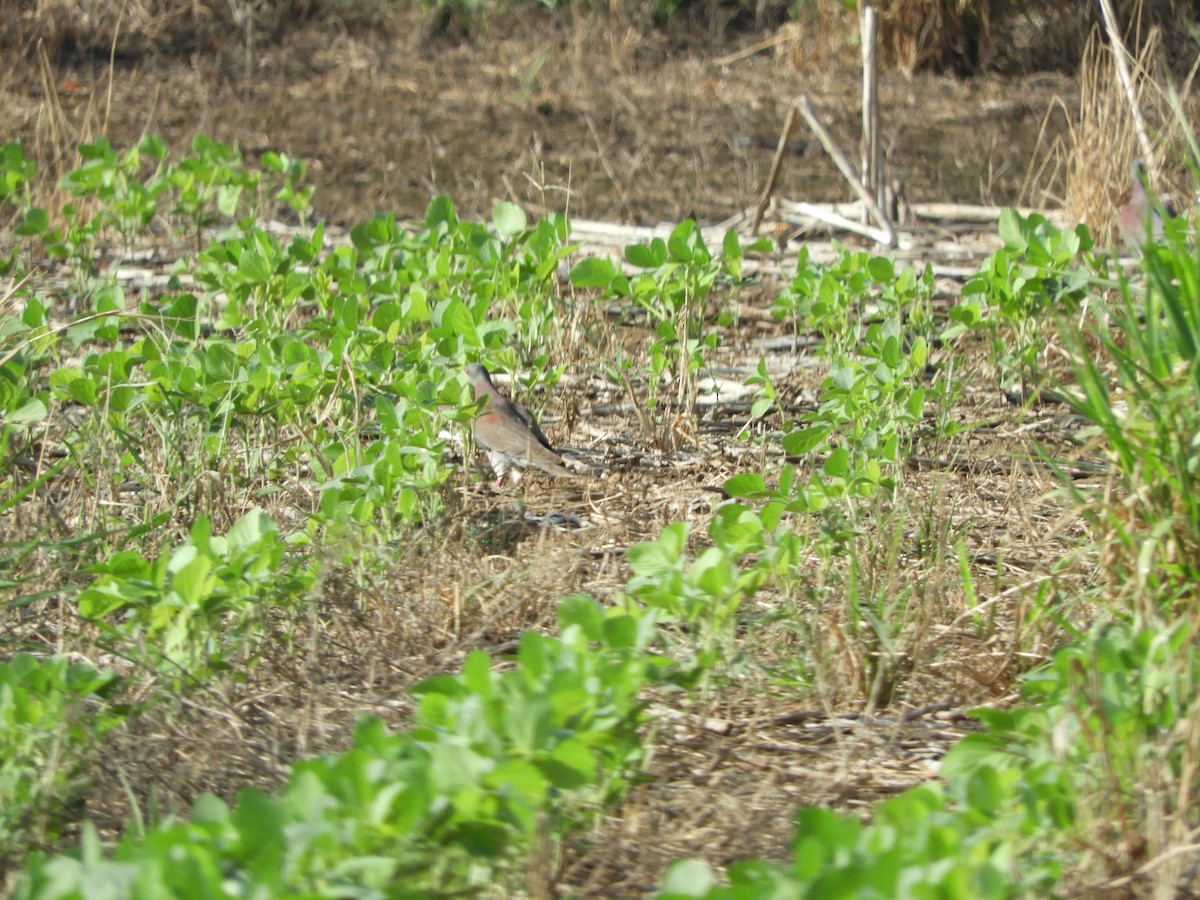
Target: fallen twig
(847,170)
(789,125)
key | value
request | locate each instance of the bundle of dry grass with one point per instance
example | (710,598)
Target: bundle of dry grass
(969,36)
(938,34)
(1094,155)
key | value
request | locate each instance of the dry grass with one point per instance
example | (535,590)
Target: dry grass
(937,34)
(385,119)
(131,28)
(966,37)
(972,36)
(1095,153)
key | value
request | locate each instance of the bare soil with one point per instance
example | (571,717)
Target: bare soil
(562,111)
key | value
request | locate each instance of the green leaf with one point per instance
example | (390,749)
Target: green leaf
(881,269)
(621,631)
(918,355)
(761,407)
(748,484)
(916,404)
(28,413)
(251,528)
(1011,230)
(687,878)
(805,440)
(375,232)
(37,221)
(385,410)
(508,219)
(663,555)
(33,316)
(443,685)
(458,319)
(845,376)
(593,273)
(440,211)
(647,256)
(477,674)
(575,756)
(680,245)
(583,612)
(192,581)
(152,146)
(732,246)
(227,199)
(84,391)
(838,463)
(254,268)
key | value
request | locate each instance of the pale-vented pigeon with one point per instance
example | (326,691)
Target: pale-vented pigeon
(1141,218)
(509,434)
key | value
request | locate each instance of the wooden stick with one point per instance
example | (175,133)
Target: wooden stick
(957,212)
(781,38)
(1121,57)
(871,172)
(831,218)
(789,125)
(881,184)
(847,170)
(965,212)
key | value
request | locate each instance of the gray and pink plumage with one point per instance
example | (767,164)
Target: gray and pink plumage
(510,435)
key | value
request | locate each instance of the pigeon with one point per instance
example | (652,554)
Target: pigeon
(1141,218)
(509,434)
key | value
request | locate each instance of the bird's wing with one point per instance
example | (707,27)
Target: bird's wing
(527,417)
(508,433)
(505,431)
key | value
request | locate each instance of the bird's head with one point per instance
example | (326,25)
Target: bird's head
(481,380)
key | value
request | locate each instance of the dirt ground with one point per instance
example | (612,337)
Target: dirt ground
(559,112)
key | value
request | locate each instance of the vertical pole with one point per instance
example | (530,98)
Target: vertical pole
(872,163)
(1121,57)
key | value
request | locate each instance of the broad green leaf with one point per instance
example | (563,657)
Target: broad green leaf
(805,440)
(29,413)
(916,404)
(251,528)
(583,612)
(440,211)
(918,355)
(477,674)
(748,484)
(659,556)
(838,463)
(508,219)
(459,320)
(36,222)
(254,268)
(194,581)
(1011,230)
(593,273)
(881,269)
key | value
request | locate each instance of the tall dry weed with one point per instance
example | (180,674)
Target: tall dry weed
(970,36)
(1092,157)
(938,34)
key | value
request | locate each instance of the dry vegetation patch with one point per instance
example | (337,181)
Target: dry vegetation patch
(543,109)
